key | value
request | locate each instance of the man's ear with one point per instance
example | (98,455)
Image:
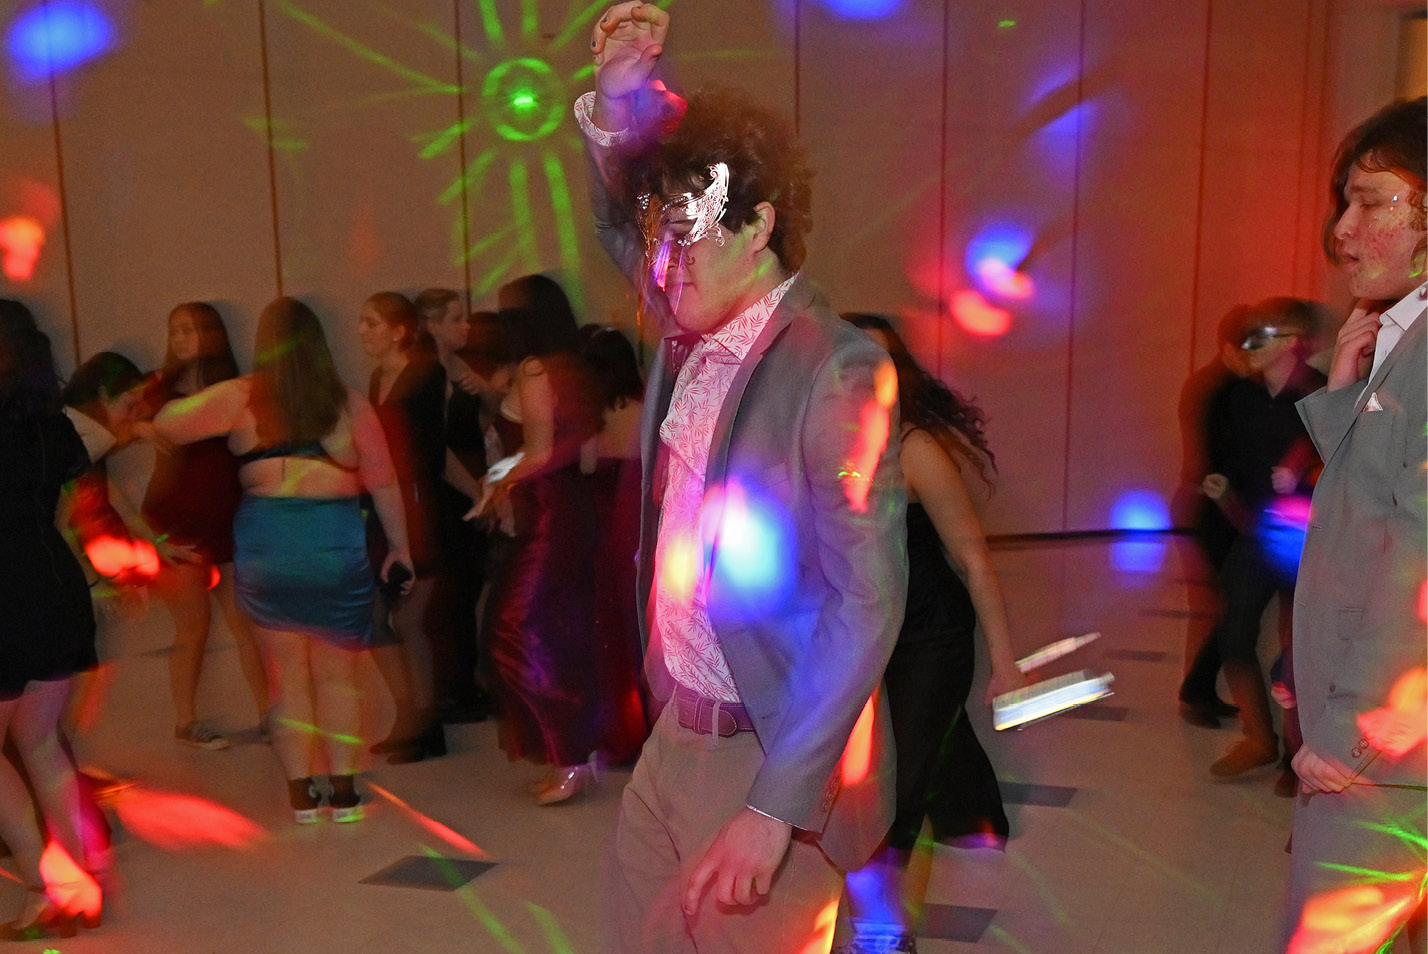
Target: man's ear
(762,227)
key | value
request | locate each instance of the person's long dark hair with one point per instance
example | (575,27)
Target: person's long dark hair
(297,395)
(614,370)
(928,404)
(29,386)
(537,318)
(215,361)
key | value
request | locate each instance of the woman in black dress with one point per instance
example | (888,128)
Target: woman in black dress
(407,390)
(541,603)
(46,629)
(191,500)
(943,774)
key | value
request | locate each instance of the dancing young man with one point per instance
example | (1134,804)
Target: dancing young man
(772,570)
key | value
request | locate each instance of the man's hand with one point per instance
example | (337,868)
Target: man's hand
(1353,349)
(1318,774)
(1214,486)
(741,861)
(626,44)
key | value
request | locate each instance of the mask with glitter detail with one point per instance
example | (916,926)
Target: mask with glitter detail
(671,224)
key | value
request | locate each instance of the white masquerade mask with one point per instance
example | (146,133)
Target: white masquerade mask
(672,224)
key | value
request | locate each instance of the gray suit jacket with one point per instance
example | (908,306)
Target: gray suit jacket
(1357,622)
(805,666)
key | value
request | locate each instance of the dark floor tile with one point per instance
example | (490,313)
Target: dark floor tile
(1098,713)
(1028,793)
(952,922)
(436,874)
(1137,655)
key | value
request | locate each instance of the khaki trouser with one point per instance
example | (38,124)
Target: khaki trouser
(685,787)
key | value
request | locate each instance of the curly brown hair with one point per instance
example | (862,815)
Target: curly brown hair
(1394,139)
(766,164)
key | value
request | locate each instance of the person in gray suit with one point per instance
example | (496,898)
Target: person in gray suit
(1359,630)
(772,566)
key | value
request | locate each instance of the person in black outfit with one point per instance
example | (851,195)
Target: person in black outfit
(407,390)
(943,773)
(1200,703)
(1260,452)
(46,629)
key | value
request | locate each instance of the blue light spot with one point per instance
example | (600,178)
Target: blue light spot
(1004,246)
(753,554)
(864,9)
(57,36)
(1140,510)
(1281,534)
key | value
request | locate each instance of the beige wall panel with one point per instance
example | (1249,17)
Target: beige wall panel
(364,111)
(872,136)
(30,213)
(1135,247)
(526,181)
(1012,117)
(1254,227)
(167,181)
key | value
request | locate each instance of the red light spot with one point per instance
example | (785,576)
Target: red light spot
(176,822)
(978,317)
(1358,918)
(858,754)
(21,239)
(874,427)
(451,837)
(213,577)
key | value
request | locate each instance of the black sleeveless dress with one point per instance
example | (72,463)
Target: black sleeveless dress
(47,626)
(942,771)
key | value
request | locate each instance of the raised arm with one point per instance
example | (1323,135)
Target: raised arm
(211,412)
(935,479)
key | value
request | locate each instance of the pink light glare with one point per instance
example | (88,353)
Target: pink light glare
(857,759)
(21,241)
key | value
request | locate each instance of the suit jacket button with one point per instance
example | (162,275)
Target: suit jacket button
(1332,687)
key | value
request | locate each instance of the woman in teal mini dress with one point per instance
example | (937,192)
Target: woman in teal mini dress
(308,446)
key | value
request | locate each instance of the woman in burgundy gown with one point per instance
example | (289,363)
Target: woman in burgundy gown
(541,604)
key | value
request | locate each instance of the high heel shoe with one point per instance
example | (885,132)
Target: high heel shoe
(304,799)
(570,780)
(49,921)
(428,745)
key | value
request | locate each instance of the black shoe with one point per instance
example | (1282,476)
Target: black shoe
(1219,707)
(305,800)
(1199,715)
(429,745)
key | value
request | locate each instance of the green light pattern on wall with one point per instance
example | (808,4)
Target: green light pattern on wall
(523,99)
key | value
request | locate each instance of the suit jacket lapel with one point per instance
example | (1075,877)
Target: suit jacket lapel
(1404,344)
(798,297)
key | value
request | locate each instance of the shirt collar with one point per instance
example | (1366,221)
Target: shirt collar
(737,336)
(1408,310)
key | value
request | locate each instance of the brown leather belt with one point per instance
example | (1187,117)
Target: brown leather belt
(698,713)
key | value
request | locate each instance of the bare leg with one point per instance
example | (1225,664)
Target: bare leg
(249,658)
(334,681)
(184,590)
(19,827)
(408,619)
(290,677)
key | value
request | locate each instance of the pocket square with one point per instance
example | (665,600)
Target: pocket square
(1373,404)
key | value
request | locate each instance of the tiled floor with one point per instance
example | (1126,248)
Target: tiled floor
(1121,842)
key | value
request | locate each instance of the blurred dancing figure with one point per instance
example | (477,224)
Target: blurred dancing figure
(308,446)
(612,460)
(1261,456)
(1360,639)
(943,773)
(541,605)
(46,631)
(191,500)
(407,390)
(772,572)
